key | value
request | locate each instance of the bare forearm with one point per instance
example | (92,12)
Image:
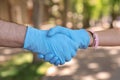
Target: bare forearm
(11,34)
(110,37)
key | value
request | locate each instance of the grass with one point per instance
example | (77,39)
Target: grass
(21,68)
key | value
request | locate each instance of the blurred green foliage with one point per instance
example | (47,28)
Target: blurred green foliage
(87,11)
(96,8)
(21,68)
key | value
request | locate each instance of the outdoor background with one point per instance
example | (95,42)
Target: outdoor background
(90,64)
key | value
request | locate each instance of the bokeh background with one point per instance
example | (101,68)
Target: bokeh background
(90,64)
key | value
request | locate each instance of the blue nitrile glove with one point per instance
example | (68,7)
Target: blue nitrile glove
(80,36)
(56,49)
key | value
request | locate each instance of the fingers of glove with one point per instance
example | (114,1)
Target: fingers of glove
(57,46)
(67,60)
(73,53)
(70,47)
(68,57)
(48,57)
(67,51)
(57,63)
(58,29)
(62,62)
(53,60)
(74,47)
(41,56)
(65,54)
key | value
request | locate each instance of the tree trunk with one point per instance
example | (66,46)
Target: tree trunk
(65,11)
(38,12)
(4,10)
(40,17)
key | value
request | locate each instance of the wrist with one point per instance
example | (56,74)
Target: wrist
(94,41)
(91,39)
(31,34)
(34,39)
(21,37)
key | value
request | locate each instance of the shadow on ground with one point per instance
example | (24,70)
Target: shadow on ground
(90,64)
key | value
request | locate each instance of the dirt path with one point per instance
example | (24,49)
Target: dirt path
(90,64)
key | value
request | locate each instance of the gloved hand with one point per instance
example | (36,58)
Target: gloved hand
(56,49)
(80,36)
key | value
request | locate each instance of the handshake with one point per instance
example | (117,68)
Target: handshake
(57,45)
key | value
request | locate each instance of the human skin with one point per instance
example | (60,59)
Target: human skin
(110,37)
(12,34)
